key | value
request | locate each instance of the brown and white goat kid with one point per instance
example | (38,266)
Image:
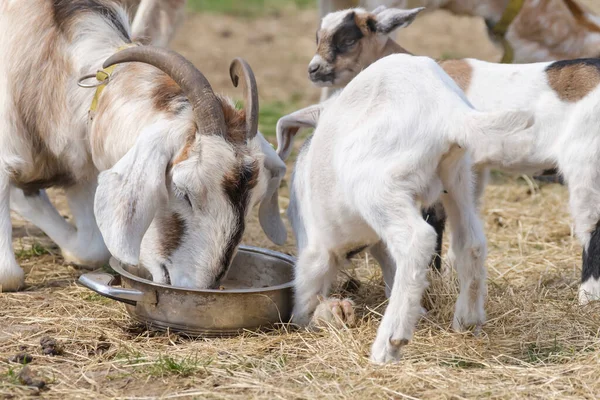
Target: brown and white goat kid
(165,173)
(564,97)
(543,30)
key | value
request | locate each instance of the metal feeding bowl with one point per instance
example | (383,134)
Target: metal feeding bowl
(257,293)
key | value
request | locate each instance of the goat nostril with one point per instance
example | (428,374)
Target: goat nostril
(312,68)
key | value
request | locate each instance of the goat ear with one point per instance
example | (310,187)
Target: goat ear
(129,194)
(289,125)
(268,212)
(390,19)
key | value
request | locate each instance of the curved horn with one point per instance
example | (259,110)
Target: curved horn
(207,107)
(239,67)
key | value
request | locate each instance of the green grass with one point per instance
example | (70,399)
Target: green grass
(36,250)
(108,269)
(246,8)
(449,56)
(545,353)
(12,376)
(95,297)
(166,365)
(270,113)
(457,362)
(163,366)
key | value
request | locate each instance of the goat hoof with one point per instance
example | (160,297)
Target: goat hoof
(334,312)
(387,351)
(460,325)
(589,291)
(12,278)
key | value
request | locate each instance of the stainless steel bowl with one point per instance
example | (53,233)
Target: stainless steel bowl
(257,294)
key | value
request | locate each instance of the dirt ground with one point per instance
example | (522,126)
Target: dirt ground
(537,343)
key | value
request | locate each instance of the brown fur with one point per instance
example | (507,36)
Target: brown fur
(363,21)
(574,81)
(167,95)
(237,186)
(173,229)
(189,143)
(392,47)
(235,120)
(231,181)
(324,45)
(548,24)
(580,16)
(459,70)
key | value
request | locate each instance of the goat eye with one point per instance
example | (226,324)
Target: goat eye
(349,42)
(187,199)
(182,195)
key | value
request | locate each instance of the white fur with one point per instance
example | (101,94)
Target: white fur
(383,148)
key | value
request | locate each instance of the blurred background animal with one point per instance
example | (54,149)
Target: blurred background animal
(156,21)
(536,30)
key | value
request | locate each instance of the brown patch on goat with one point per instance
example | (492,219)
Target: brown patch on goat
(572,80)
(167,95)
(325,47)
(365,22)
(173,229)
(459,70)
(235,121)
(237,186)
(190,139)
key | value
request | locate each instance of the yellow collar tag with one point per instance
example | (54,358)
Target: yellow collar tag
(510,13)
(103,76)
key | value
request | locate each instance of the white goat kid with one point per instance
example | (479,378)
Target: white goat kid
(564,97)
(389,143)
(178,167)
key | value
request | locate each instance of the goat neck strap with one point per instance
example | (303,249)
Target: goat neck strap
(510,13)
(103,76)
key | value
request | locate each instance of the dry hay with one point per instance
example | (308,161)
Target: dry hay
(537,343)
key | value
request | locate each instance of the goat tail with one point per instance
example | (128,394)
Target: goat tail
(501,138)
